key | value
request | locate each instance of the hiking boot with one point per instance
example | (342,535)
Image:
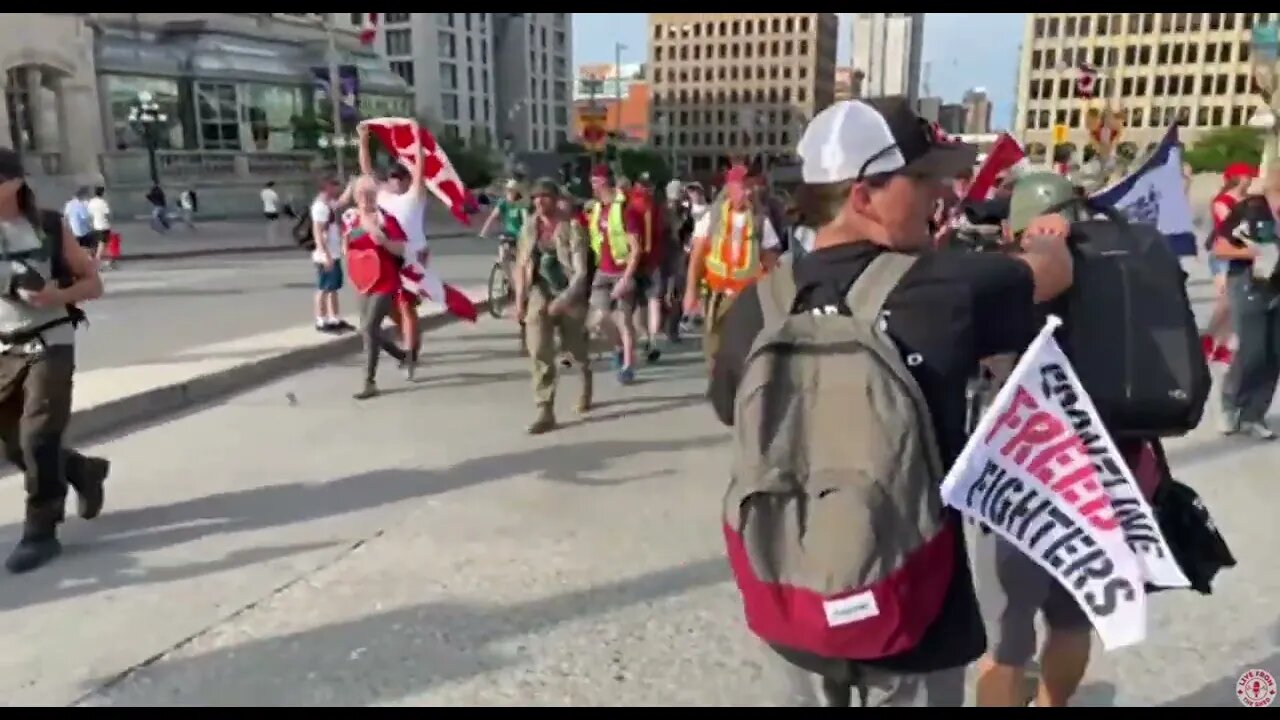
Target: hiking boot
(33,551)
(544,422)
(91,492)
(370,391)
(1257,430)
(584,399)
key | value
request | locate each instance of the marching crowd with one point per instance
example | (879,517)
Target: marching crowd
(842,332)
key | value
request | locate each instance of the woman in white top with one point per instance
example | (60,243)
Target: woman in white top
(100,221)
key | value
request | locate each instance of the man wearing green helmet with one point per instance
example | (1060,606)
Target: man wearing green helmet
(1036,194)
(1012,589)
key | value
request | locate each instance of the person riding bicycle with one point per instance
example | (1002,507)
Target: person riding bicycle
(511,210)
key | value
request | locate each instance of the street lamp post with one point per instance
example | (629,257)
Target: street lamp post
(145,116)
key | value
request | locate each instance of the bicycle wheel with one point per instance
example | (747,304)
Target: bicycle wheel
(500,291)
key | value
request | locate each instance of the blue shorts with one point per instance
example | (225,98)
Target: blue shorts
(329,280)
(1217,266)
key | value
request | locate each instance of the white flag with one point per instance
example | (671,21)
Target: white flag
(1041,471)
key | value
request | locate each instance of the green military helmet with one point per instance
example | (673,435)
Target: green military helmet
(1036,193)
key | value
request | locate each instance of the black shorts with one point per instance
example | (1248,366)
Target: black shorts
(271,216)
(88,241)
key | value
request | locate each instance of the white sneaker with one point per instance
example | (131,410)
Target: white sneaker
(1257,430)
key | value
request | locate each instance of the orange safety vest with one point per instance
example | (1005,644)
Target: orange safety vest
(732,266)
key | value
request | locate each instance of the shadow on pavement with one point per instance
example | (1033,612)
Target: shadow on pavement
(1222,692)
(173,292)
(393,655)
(110,562)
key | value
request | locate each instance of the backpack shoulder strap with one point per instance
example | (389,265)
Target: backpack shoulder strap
(867,296)
(776,292)
(866,301)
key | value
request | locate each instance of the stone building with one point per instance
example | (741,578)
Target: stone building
(238,91)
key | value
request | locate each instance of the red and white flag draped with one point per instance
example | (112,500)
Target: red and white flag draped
(369,28)
(396,134)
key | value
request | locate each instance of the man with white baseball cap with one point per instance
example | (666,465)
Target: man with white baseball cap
(872,172)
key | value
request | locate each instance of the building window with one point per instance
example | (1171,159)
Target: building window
(403,68)
(471,109)
(445,19)
(270,110)
(449,106)
(471,79)
(448,76)
(446,44)
(470,50)
(398,42)
(218,116)
(395,18)
(1039,27)
(466,21)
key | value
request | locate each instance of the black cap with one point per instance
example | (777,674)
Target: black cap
(10,165)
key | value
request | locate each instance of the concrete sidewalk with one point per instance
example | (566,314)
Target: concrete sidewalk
(139,242)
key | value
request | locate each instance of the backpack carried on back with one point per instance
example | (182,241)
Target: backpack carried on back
(833,520)
(1130,332)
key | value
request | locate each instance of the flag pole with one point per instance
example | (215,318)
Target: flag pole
(335,93)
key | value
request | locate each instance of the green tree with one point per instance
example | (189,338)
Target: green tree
(637,161)
(474,163)
(1219,148)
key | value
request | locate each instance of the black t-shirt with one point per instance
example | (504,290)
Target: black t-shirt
(1251,219)
(950,310)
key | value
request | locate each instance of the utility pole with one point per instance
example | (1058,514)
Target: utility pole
(335,93)
(617,80)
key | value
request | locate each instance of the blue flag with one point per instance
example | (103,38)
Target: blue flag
(1157,194)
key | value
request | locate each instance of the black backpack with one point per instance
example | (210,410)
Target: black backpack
(304,233)
(1130,332)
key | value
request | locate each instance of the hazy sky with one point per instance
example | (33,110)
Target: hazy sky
(963,50)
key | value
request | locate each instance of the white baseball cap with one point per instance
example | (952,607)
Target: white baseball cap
(855,139)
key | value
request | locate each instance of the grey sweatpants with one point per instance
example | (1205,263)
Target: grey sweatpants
(373,310)
(874,688)
(1251,381)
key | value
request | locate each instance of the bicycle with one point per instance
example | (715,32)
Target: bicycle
(502,289)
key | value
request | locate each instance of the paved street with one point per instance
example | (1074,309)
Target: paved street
(292,546)
(155,308)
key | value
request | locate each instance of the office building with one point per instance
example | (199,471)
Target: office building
(499,79)
(1157,69)
(237,91)
(887,50)
(848,83)
(977,112)
(621,95)
(737,85)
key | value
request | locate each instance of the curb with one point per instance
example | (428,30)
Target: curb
(157,403)
(244,250)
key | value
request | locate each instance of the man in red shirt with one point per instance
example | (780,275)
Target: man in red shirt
(616,229)
(653,264)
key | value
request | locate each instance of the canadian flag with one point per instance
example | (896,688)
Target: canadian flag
(396,134)
(1004,154)
(415,277)
(369,28)
(1087,81)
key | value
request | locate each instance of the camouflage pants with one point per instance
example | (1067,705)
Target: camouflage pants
(540,332)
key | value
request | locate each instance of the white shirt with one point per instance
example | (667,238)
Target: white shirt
(184,200)
(804,237)
(410,210)
(99,213)
(322,212)
(270,200)
(769,237)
